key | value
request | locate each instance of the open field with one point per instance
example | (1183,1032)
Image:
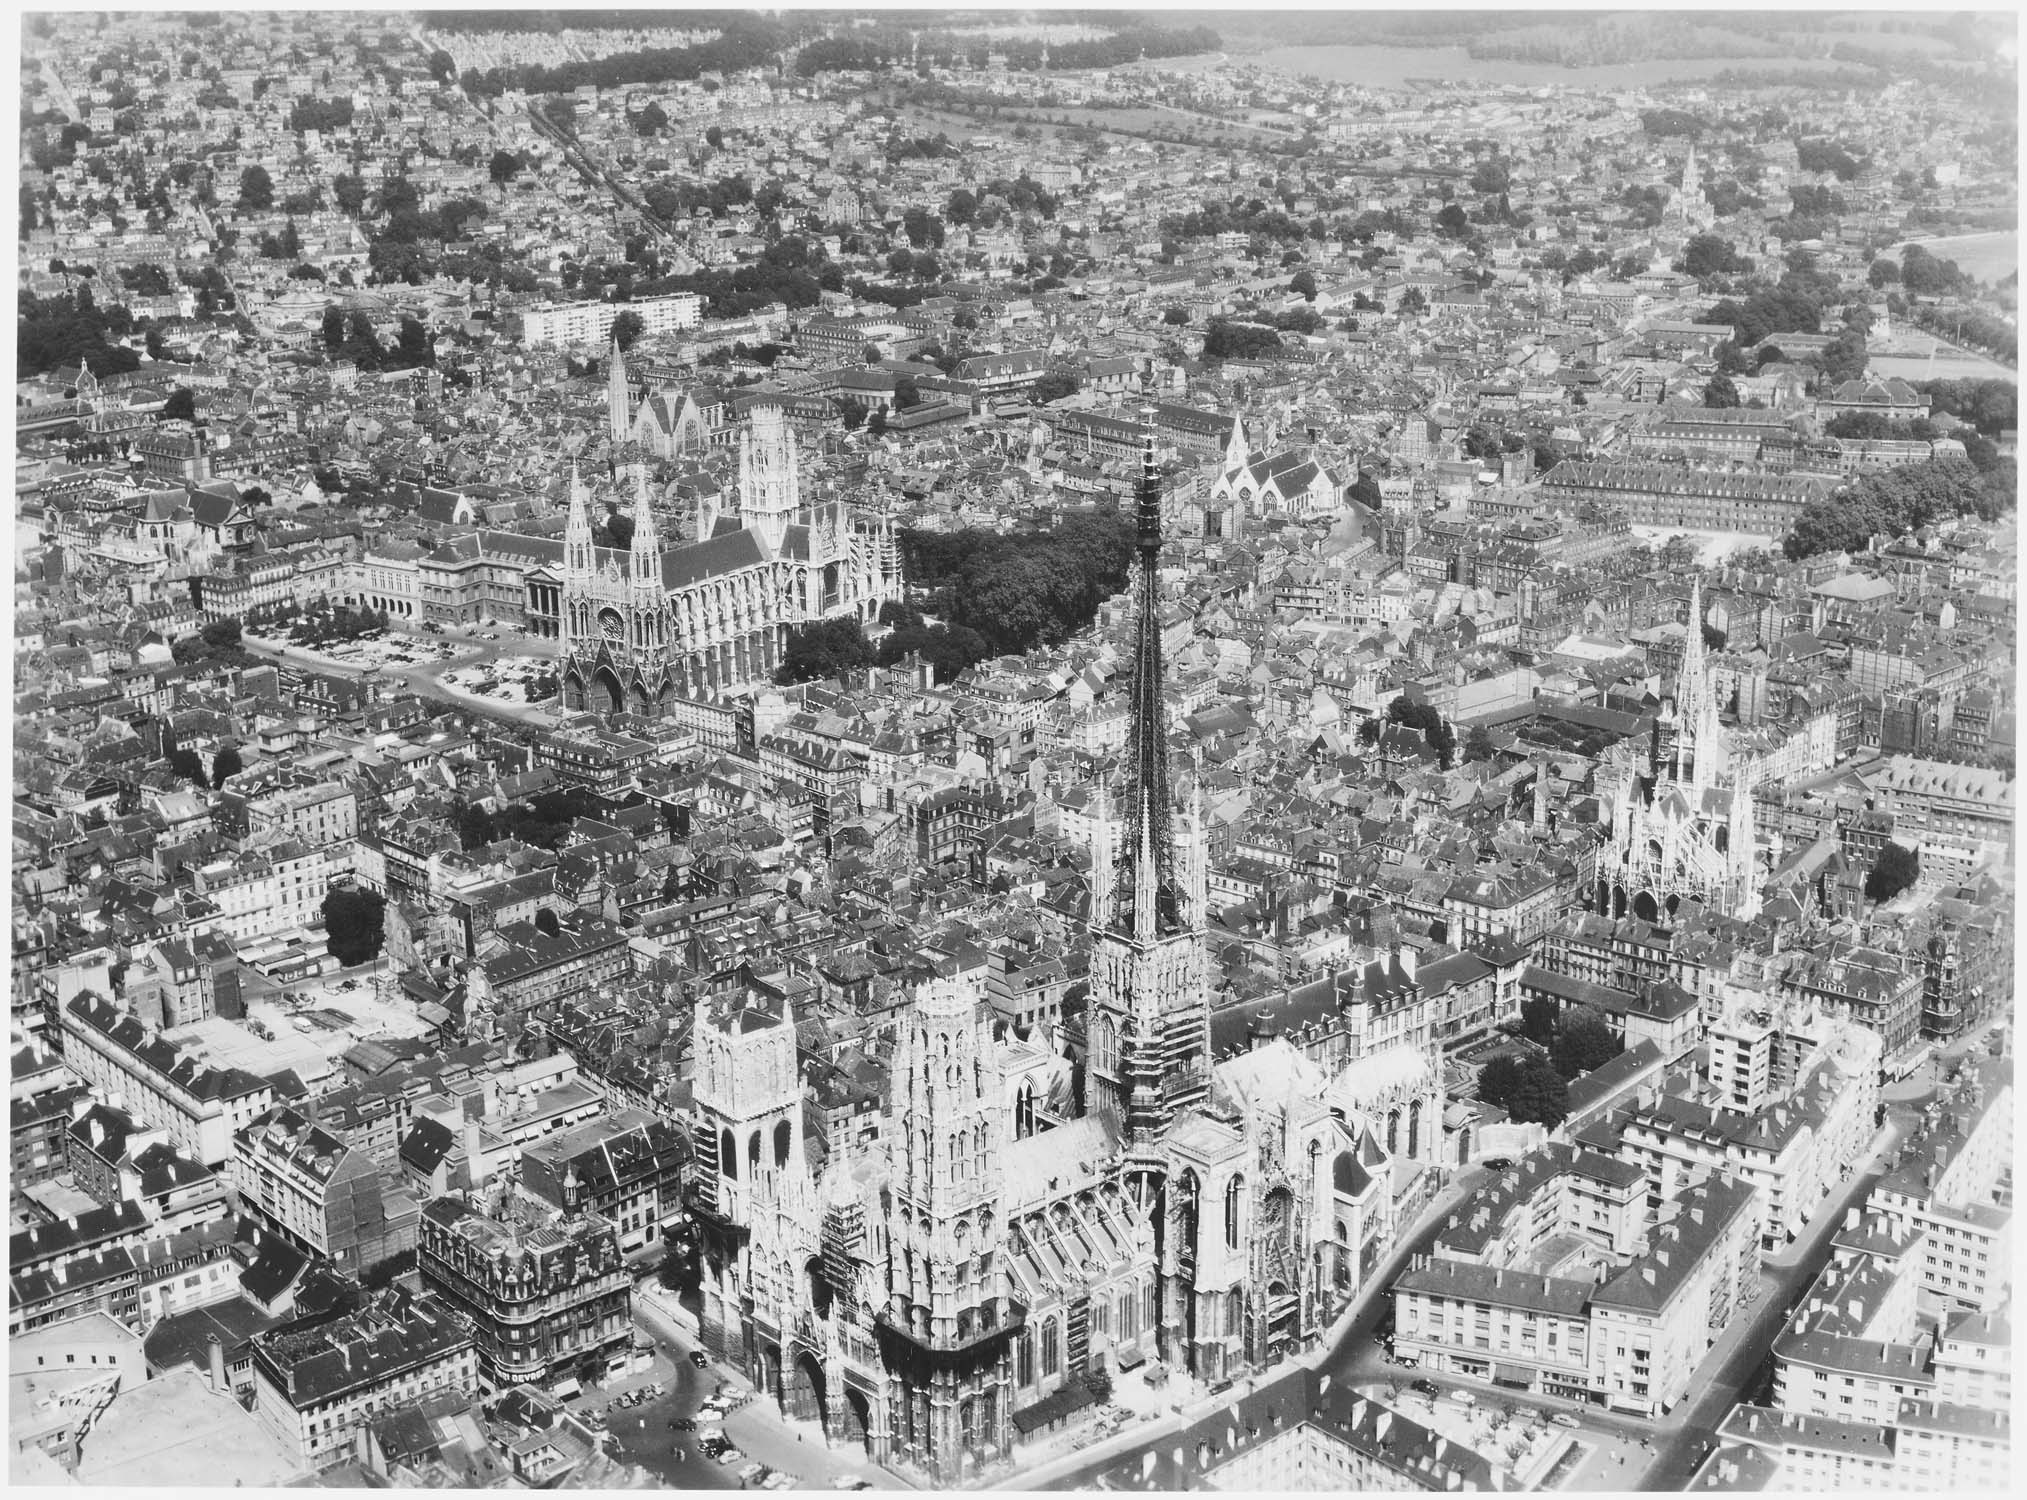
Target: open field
(1991,257)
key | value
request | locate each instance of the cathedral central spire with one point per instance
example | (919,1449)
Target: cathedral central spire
(1157,904)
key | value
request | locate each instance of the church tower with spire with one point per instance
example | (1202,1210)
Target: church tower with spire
(1682,815)
(1148,1040)
(618,403)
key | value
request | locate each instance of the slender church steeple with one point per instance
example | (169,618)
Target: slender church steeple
(618,401)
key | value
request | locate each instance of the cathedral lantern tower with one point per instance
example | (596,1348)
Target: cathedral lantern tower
(947,1329)
(770,478)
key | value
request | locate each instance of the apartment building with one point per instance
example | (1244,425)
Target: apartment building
(199,1107)
(278,889)
(625,1168)
(544,1293)
(322,1193)
(1652,1323)
(564,324)
(1951,1183)
(316,1386)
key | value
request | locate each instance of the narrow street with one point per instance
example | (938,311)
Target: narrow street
(1628,1452)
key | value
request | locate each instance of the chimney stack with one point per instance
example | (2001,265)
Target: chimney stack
(219,1383)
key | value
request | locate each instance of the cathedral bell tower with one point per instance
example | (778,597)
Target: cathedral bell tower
(947,1330)
(749,1160)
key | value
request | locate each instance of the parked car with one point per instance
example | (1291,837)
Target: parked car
(1426,1387)
(729,1457)
(1498,1163)
(1564,1419)
(712,1435)
(780,1481)
(698,1358)
(1463,1398)
(683,1424)
(750,1472)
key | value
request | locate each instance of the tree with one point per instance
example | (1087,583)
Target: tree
(226,764)
(256,188)
(826,648)
(188,764)
(1478,744)
(627,328)
(1176,317)
(442,66)
(1538,1018)
(414,344)
(1539,1093)
(1453,221)
(181,406)
(1892,872)
(961,207)
(1437,734)
(1882,273)
(714,137)
(1496,1080)
(618,530)
(651,121)
(1720,392)
(1709,255)
(354,924)
(1413,304)
(852,412)
(503,168)
(1844,357)
(1303,284)
(334,329)
(1583,1041)
(1053,385)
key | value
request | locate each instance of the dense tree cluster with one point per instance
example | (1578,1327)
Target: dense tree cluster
(1225,339)
(1708,255)
(327,115)
(1671,122)
(746,41)
(1020,591)
(542,820)
(71,329)
(824,648)
(1991,406)
(1898,501)
(1583,1040)
(1528,1088)
(1827,156)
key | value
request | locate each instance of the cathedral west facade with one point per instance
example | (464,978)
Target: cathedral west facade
(663,622)
(1038,1209)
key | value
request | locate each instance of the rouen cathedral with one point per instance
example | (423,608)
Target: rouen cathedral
(1212,1213)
